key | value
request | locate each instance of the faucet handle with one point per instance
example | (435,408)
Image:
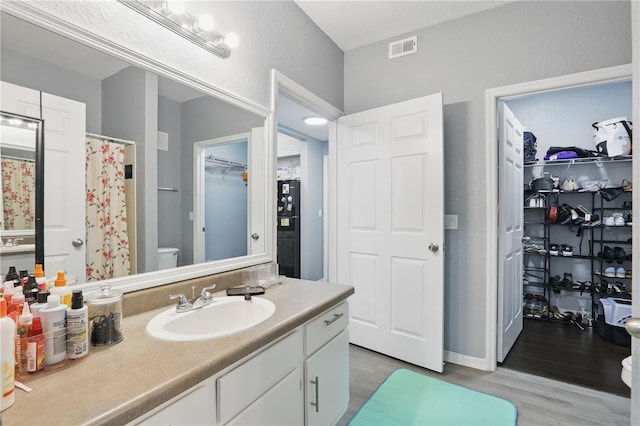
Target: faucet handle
(183,303)
(205,292)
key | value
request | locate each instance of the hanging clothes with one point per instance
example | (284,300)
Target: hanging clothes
(107,241)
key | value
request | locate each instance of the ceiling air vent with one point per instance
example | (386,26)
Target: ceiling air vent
(403,47)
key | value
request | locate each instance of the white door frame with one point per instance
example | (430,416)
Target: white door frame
(588,78)
(281,84)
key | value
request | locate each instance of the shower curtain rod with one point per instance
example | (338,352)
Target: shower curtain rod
(123,141)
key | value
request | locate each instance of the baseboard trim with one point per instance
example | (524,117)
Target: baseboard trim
(468,361)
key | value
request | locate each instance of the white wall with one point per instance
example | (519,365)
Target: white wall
(515,43)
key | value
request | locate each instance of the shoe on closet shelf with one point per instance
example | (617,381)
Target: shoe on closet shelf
(566,250)
(610,272)
(620,273)
(609,221)
(628,274)
(619,221)
(554,249)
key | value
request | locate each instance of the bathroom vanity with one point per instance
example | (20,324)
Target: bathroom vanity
(290,369)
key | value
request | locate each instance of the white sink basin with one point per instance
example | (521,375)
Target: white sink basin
(224,316)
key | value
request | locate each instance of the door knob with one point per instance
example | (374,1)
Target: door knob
(633,327)
(255,236)
(434,247)
(77,242)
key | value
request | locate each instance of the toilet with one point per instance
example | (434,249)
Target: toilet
(167,257)
(626,371)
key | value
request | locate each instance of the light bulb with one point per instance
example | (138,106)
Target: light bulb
(232,40)
(175,7)
(203,23)
(315,121)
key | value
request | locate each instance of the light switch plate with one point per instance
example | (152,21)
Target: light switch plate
(450,221)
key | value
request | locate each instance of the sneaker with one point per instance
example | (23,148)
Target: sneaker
(567,250)
(628,274)
(619,221)
(620,273)
(609,221)
(610,272)
(554,249)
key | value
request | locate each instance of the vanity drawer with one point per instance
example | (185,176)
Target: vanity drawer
(327,325)
(246,383)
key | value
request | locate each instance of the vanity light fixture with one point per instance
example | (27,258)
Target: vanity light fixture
(200,31)
(315,121)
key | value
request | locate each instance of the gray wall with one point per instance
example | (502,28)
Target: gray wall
(202,119)
(26,71)
(169,209)
(130,111)
(515,43)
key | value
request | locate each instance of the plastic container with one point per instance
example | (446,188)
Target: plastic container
(105,316)
(7,358)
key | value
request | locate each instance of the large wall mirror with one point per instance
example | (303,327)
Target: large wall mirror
(129,191)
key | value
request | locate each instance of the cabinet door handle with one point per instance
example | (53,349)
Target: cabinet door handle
(334,319)
(317,403)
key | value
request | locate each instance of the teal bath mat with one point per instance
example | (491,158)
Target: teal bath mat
(409,398)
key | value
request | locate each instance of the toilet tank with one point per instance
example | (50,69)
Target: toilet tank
(167,257)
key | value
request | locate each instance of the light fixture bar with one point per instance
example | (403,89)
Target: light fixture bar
(209,40)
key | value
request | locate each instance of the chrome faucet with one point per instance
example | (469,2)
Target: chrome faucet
(185,305)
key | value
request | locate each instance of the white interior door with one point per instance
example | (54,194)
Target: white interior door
(510,229)
(64,186)
(257,191)
(390,209)
(64,180)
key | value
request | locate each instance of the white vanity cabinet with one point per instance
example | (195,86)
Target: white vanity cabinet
(195,406)
(327,366)
(303,378)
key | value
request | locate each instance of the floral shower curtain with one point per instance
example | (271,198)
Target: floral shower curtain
(107,240)
(18,193)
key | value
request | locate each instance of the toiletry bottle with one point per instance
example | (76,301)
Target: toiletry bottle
(38,272)
(40,304)
(35,347)
(77,327)
(23,276)
(7,291)
(12,274)
(60,288)
(17,301)
(54,327)
(7,358)
(22,333)
(30,289)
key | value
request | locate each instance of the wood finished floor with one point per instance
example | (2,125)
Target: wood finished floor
(564,352)
(540,401)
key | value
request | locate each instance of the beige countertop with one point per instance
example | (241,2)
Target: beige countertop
(117,384)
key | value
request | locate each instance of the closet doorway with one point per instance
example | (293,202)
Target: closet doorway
(565,99)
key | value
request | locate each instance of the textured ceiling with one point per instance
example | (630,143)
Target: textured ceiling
(352,24)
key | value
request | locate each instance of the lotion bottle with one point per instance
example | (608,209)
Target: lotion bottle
(60,288)
(54,327)
(35,347)
(77,327)
(7,358)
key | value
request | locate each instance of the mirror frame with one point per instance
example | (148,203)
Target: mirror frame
(35,16)
(39,182)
